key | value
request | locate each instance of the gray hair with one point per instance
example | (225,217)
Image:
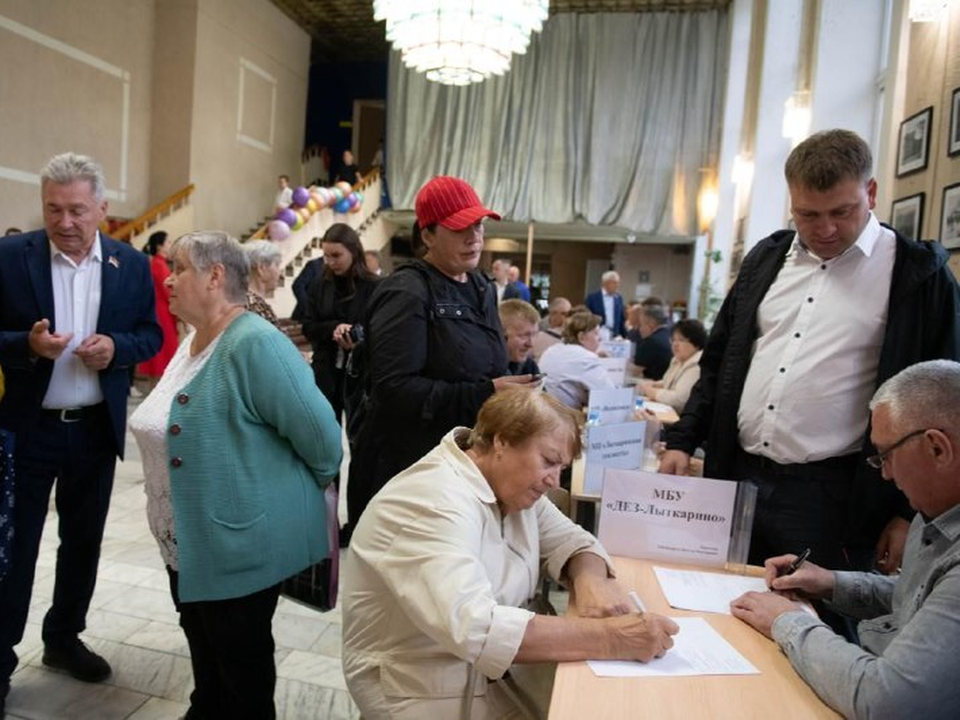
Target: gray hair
(262,253)
(69,167)
(557,302)
(925,395)
(657,313)
(207,248)
(610,275)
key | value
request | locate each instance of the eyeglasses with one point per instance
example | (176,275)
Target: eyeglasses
(877,461)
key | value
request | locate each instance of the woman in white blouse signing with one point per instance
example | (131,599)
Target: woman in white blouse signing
(573,367)
(447,555)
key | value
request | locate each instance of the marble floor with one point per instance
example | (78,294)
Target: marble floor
(132,623)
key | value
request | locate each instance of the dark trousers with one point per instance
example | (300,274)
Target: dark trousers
(81,458)
(799,507)
(231,651)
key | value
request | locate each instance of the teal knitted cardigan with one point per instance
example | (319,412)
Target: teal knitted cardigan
(252,442)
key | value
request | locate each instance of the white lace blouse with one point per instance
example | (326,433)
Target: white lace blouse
(149,426)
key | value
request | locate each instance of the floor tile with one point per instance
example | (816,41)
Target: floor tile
(312,669)
(44,695)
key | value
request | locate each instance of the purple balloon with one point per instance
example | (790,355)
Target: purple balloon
(287,216)
(301,196)
(278,230)
(342,206)
(352,199)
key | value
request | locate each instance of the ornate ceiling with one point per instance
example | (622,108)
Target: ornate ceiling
(344,30)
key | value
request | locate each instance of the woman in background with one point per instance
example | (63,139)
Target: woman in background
(573,368)
(264,259)
(153,368)
(237,444)
(687,339)
(335,309)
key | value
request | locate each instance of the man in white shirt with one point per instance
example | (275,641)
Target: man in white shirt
(76,313)
(284,198)
(816,320)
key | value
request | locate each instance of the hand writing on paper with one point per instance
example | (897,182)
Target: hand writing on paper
(642,637)
(601,597)
(811,581)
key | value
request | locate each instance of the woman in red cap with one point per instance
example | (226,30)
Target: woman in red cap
(435,347)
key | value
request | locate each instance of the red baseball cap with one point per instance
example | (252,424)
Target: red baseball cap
(450,202)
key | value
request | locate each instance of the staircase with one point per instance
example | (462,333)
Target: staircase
(304,244)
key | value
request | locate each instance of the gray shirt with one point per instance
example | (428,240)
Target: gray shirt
(909,665)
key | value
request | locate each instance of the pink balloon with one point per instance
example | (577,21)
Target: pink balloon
(278,230)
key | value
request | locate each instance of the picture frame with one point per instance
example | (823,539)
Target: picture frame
(953,137)
(950,216)
(913,152)
(906,215)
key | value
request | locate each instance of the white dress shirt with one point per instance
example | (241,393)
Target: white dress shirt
(609,316)
(572,372)
(814,367)
(76,307)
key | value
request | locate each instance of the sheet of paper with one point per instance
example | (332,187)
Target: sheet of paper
(705,591)
(697,649)
(656,407)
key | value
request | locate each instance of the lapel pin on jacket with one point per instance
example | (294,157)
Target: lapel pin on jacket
(112,260)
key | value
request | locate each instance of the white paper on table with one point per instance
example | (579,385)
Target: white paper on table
(705,591)
(697,649)
(656,407)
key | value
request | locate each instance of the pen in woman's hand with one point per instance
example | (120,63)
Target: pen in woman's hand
(637,602)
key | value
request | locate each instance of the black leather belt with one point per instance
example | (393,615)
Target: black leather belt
(759,462)
(72,415)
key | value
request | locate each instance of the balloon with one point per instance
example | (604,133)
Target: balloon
(287,215)
(337,194)
(300,196)
(304,213)
(353,200)
(356,208)
(342,206)
(278,230)
(345,187)
(298,224)
(359,195)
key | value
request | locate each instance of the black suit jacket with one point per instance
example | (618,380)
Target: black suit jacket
(127,315)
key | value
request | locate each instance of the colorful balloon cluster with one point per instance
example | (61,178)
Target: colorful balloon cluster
(341,197)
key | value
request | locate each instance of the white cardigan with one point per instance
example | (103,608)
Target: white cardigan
(679,380)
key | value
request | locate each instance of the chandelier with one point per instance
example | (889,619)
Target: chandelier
(458,42)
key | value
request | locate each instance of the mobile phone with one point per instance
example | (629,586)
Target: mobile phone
(536,377)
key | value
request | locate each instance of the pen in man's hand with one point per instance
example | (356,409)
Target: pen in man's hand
(637,601)
(796,564)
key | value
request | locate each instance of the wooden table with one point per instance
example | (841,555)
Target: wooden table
(778,692)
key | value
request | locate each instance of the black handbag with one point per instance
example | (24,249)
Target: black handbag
(316,586)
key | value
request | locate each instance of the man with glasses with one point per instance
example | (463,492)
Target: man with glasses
(910,625)
(817,319)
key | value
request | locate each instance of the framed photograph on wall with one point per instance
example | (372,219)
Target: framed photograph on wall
(914,150)
(953,138)
(950,216)
(906,215)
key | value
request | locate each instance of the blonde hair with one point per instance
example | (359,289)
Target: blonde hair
(520,414)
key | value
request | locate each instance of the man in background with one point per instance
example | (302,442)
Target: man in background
(551,327)
(76,313)
(506,290)
(284,196)
(816,320)
(520,322)
(513,276)
(653,353)
(608,304)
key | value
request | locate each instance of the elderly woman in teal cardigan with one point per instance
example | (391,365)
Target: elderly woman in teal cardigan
(237,444)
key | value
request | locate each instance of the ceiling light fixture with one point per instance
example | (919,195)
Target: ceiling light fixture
(927,10)
(459,42)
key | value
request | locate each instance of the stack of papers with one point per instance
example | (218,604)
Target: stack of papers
(697,649)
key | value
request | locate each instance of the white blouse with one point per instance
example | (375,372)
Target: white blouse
(149,426)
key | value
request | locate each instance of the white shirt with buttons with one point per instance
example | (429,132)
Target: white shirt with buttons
(814,367)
